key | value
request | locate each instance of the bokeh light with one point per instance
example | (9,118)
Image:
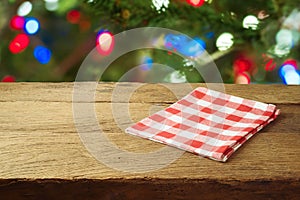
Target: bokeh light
(147,63)
(250,22)
(262,15)
(73,16)
(270,65)
(284,37)
(184,45)
(19,43)
(286,68)
(289,73)
(8,78)
(241,65)
(196,3)
(51,5)
(42,54)
(285,41)
(242,78)
(292,78)
(200,42)
(17,22)
(25,8)
(105,42)
(160,5)
(291,62)
(32,26)
(85,25)
(176,77)
(224,41)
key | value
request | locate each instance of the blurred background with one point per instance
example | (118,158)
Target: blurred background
(253,41)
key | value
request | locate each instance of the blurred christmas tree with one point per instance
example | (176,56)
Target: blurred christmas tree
(251,41)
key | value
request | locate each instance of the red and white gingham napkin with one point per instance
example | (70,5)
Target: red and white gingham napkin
(206,122)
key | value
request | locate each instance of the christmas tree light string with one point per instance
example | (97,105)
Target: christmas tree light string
(27,26)
(253,28)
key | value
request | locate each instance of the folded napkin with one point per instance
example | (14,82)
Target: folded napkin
(207,123)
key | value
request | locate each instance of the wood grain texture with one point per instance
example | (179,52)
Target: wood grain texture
(41,152)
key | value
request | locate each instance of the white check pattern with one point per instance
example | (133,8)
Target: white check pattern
(206,122)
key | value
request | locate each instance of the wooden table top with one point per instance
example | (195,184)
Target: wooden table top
(40,148)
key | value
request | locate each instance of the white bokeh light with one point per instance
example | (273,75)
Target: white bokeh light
(250,22)
(224,41)
(160,5)
(281,51)
(292,77)
(25,8)
(176,77)
(105,41)
(287,68)
(284,42)
(285,38)
(51,5)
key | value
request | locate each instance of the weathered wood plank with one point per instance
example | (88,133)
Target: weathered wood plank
(41,137)
(62,92)
(39,143)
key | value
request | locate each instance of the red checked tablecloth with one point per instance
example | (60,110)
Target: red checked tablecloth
(206,122)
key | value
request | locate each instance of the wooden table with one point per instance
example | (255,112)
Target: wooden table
(41,152)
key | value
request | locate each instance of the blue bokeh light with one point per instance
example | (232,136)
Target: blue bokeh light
(31,26)
(147,63)
(201,42)
(289,74)
(184,45)
(42,54)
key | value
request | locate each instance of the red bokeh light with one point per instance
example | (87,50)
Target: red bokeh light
(73,16)
(291,62)
(19,43)
(269,62)
(105,43)
(196,3)
(17,22)
(84,25)
(8,78)
(270,65)
(242,65)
